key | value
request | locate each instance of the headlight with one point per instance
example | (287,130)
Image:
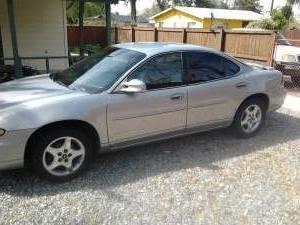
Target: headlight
(288,58)
(2,132)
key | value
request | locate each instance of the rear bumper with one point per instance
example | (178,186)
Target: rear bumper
(12,149)
(277,98)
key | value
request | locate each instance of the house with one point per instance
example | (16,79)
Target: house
(192,17)
(40,31)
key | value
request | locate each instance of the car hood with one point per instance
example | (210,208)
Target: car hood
(285,49)
(30,89)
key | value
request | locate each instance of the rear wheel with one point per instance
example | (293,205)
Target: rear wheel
(61,154)
(249,118)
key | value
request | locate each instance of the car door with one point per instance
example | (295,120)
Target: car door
(215,88)
(161,108)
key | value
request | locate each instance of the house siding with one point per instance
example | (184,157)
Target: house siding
(228,24)
(41,31)
(178,19)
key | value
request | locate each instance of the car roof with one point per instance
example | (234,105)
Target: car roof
(153,48)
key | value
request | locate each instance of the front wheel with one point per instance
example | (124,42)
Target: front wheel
(61,154)
(249,118)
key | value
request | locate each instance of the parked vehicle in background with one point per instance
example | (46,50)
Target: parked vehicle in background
(287,59)
(129,94)
(7,72)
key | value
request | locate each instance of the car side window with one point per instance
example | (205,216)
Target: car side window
(160,72)
(204,66)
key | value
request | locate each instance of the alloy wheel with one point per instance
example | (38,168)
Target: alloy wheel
(64,156)
(251,118)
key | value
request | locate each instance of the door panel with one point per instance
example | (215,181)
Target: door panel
(215,89)
(145,114)
(214,101)
(160,109)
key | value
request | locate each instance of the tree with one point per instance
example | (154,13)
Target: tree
(202,3)
(91,9)
(252,5)
(162,4)
(278,21)
(152,11)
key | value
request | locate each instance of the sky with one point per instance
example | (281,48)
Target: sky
(124,9)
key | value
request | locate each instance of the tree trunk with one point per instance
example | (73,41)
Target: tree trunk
(133,12)
(272,6)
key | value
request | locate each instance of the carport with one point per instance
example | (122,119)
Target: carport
(34,32)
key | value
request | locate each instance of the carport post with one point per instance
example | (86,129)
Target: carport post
(108,22)
(14,41)
(81,27)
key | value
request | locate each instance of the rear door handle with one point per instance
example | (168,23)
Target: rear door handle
(177,96)
(241,85)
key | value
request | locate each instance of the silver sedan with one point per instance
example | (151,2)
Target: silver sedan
(126,95)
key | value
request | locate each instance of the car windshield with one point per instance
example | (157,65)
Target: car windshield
(98,72)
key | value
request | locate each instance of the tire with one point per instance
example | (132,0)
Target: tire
(240,125)
(295,81)
(68,151)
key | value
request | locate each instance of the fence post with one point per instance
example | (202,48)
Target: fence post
(222,40)
(155,34)
(184,35)
(116,35)
(47,65)
(132,34)
(271,59)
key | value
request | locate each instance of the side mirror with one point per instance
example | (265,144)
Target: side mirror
(133,86)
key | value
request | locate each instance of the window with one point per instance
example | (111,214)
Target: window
(98,72)
(191,24)
(204,66)
(160,72)
(161,24)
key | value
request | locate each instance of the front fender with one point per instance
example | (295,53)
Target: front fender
(38,113)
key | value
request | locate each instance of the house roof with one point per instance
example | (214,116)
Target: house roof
(229,14)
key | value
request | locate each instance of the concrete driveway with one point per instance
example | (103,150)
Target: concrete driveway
(208,178)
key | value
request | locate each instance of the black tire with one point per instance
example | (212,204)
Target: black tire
(295,81)
(45,138)
(237,123)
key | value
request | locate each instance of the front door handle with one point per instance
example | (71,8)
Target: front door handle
(241,85)
(177,97)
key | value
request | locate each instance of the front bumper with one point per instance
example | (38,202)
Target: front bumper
(289,69)
(12,148)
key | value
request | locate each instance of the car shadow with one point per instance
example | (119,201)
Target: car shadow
(131,165)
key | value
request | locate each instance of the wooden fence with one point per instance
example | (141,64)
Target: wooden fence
(293,37)
(92,35)
(254,46)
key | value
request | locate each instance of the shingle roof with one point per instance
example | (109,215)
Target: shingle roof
(229,14)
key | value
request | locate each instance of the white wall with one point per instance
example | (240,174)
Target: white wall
(41,27)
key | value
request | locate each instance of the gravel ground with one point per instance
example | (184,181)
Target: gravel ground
(208,178)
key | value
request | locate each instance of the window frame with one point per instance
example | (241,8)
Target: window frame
(147,61)
(117,85)
(209,81)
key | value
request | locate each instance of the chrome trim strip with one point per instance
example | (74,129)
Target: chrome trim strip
(150,114)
